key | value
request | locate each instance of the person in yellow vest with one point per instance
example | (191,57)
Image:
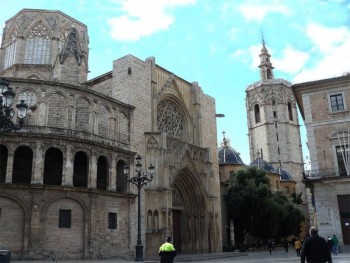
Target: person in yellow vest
(297,246)
(167,252)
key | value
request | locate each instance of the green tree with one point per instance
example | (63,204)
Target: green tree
(256,210)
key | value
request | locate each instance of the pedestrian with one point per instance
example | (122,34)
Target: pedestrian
(269,246)
(315,248)
(330,243)
(335,245)
(297,247)
(167,252)
(286,245)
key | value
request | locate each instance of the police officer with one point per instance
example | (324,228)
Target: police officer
(167,252)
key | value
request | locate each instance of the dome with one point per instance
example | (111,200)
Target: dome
(285,176)
(227,155)
(264,165)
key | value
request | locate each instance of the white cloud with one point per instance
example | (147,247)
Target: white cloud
(259,12)
(292,60)
(143,18)
(333,45)
(326,38)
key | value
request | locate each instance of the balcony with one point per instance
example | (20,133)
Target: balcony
(326,173)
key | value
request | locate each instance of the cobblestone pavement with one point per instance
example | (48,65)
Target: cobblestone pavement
(278,256)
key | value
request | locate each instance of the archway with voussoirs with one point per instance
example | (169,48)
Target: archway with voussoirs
(189,213)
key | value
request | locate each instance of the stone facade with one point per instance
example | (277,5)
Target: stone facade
(324,105)
(62,191)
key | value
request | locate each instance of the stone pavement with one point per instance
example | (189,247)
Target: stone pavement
(278,256)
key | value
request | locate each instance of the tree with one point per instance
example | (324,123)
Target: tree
(256,210)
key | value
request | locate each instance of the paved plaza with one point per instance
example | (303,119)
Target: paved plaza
(278,256)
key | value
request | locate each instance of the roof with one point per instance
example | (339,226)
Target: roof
(228,155)
(285,176)
(264,165)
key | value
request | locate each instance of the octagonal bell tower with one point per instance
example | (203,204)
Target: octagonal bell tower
(273,121)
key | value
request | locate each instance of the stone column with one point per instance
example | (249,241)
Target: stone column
(68,169)
(113,174)
(93,171)
(38,171)
(9,168)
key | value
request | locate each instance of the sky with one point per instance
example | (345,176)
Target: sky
(215,43)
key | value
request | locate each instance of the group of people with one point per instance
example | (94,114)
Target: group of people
(313,249)
(333,244)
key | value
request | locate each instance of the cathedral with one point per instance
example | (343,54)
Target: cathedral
(63,190)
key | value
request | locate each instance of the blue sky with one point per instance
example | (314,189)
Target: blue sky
(215,42)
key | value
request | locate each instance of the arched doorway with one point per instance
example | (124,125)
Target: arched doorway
(189,216)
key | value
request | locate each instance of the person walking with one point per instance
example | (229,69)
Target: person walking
(315,249)
(269,246)
(297,247)
(335,242)
(286,245)
(167,252)
(330,243)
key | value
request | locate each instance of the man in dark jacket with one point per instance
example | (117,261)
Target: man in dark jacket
(315,249)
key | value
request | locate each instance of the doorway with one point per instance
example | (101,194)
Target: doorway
(177,230)
(344,212)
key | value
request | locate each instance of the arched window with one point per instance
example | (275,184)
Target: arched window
(80,170)
(38,44)
(102,173)
(290,112)
(10,50)
(121,179)
(3,163)
(22,165)
(257,113)
(53,167)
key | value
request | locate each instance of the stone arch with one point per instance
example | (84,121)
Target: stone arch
(80,169)
(34,76)
(53,166)
(72,248)
(82,113)
(57,110)
(3,162)
(14,224)
(102,177)
(104,114)
(123,127)
(192,217)
(22,165)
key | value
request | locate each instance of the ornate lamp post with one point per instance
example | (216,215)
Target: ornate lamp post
(140,180)
(6,111)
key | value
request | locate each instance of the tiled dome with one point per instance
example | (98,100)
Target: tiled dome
(228,155)
(264,165)
(285,176)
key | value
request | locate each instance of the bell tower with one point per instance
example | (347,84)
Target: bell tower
(273,124)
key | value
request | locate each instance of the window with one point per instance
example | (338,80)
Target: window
(290,112)
(112,220)
(274,114)
(343,154)
(65,217)
(38,46)
(29,97)
(10,54)
(337,102)
(261,154)
(277,136)
(276,124)
(257,113)
(278,150)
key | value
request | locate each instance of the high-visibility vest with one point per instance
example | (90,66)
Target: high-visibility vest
(166,247)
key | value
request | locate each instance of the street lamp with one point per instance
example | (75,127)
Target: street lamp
(140,180)
(6,112)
